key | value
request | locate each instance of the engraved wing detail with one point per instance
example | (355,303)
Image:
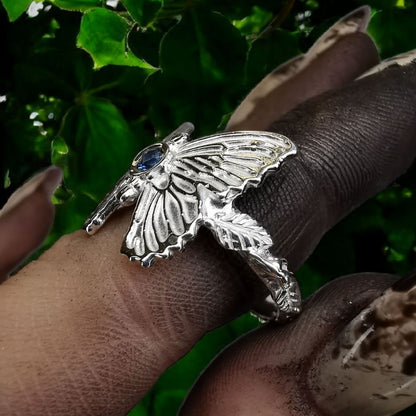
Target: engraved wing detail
(163,221)
(238,231)
(226,163)
(168,210)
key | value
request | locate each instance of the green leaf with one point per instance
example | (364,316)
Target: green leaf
(101,146)
(402,240)
(142,11)
(195,52)
(7,182)
(15,8)
(238,10)
(59,152)
(145,43)
(55,72)
(254,23)
(310,279)
(173,102)
(103,35)
(79,5)
(202,73)
(393,31)
(166,400)
(172,9)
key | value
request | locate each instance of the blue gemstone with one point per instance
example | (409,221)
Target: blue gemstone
(149,159)
(141,167)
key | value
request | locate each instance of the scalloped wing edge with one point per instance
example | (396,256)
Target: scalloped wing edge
(256,181)
(167,253)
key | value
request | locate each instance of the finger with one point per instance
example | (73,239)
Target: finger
(351,144)
(298,368)
(104,322)
(339,56)
(402,59)
(26,219)
(369,367)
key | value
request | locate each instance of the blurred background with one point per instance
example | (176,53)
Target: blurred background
(86,84)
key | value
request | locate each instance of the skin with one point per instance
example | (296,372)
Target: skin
(271,364)
(377,345)
(30,208)
(86,332)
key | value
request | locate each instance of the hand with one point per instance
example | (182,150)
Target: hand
(86,332)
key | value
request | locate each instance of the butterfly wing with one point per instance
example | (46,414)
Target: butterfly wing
(168,210)
(228,163)
(163,221)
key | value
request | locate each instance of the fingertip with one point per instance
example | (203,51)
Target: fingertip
(52,177)
(27,217)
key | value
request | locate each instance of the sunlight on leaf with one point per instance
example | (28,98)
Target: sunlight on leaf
(79,5)
(59,152)
(15,8)
(103,35)
(255,22)
(7,182)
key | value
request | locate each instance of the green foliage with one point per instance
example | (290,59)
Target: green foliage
(78,5)
(15,8)
(103,34)
(269,51)
(383,29)
(142,11)
(193,52)
(86,85)
(93,124)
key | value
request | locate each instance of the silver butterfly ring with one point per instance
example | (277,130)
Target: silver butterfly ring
(179,185)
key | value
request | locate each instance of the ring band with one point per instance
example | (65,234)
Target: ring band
(179,185)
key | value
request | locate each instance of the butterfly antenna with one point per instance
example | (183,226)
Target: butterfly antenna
(184,128)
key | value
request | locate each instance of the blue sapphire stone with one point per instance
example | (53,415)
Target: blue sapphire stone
(149,159)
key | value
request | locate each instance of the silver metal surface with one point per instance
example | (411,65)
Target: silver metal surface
(179,185)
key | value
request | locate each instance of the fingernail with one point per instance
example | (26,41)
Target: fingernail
(47,180)
(357,20)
